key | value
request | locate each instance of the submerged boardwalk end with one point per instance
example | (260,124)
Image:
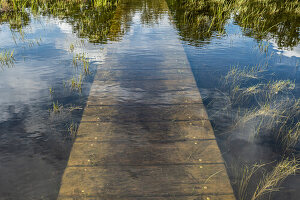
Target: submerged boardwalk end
(145,133)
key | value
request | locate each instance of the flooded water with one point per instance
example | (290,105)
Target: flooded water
(57,51)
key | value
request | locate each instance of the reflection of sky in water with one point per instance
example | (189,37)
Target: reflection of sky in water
(28,82)
(294,52)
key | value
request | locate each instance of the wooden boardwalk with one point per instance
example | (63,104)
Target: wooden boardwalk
(145,133)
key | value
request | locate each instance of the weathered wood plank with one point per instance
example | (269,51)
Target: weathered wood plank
(77,195)
(145,85)
(139,74)
(126,181)
(145,153)
(116,95)
(149,131)
(142,112)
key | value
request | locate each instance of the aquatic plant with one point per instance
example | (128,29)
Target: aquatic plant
(238,74)
(83,61)
(72,129)
(56,107)
(269,112)
(76,83)
(269,181)
(244,178)
(264,46)
(72,47)
(51,91)
(246,85)
(7,58)
(287,129)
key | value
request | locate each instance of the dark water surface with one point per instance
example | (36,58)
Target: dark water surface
(35,141)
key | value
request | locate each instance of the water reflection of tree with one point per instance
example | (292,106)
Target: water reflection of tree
(94,20)
(267,19)
(151,11)
(198,20)
(17,20)
(88,19)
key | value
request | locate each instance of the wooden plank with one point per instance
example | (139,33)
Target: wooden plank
(115,95)
(144,113)
(78,195)
(150,131)
(151,181)
(145,85)
(137,74)
(145,153)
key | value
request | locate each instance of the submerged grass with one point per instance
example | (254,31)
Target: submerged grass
(272,112)
(246,85)
(270,181)
(267,104)
(249,189)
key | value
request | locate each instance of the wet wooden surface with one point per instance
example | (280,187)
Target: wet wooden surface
(145,133)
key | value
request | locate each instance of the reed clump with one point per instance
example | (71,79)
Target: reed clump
(76,83)
(269,180)
(72,129)
(56,107)
(82,61)
(247,86)
(270,112)
(266,104)
(7,58)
